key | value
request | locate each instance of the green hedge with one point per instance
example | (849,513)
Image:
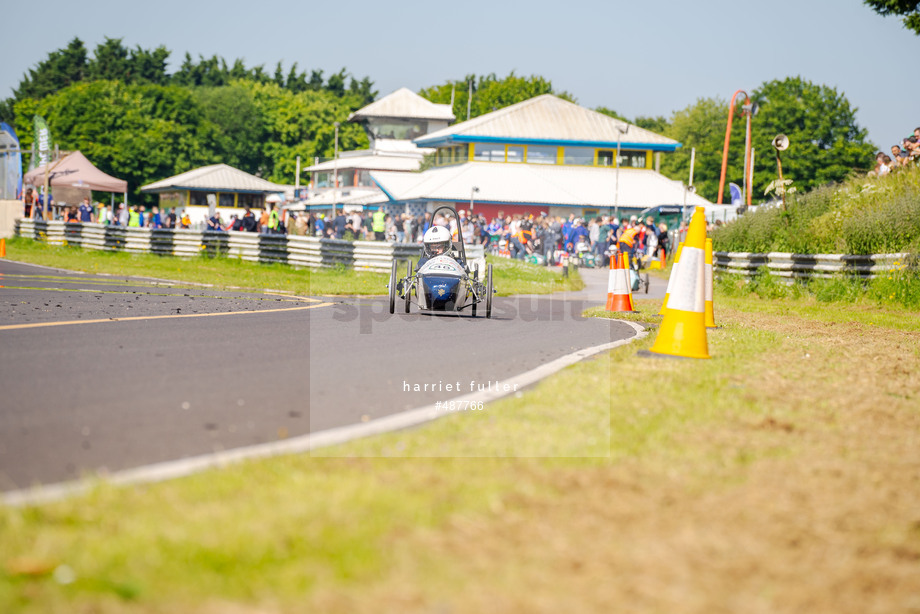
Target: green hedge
(864,215)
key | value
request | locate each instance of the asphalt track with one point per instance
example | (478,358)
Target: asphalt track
(100,374)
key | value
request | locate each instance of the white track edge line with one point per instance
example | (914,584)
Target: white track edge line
(169,470)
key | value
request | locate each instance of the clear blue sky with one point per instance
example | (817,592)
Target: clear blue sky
(638,58)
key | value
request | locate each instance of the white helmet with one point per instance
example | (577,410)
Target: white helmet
(436,240)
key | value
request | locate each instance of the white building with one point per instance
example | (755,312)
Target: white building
(544,154)
(391,124)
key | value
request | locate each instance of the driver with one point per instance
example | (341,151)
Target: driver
(436,242)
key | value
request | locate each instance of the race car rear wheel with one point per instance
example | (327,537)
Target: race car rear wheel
(489,291)
(392,287)
(408,287)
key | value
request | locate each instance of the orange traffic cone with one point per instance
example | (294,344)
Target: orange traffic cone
(2,248)
(662,258)
(619,298)
(710,317)
(667,292)
(683,330)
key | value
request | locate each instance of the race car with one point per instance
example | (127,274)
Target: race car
(444,281)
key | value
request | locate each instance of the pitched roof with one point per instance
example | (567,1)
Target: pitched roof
(74,170)
(549,119)
(369,162)
(539,185)
(404,103)
(217,177)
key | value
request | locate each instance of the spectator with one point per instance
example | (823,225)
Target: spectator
(880,167)
(338,225)
(28,201)
(912,145)
(186,221)
(263,220)
(466,230)
(274,220)
(214,223)
(319,225)
(71,215)
(155,220)
(379,224)
(663,239)
(134,217)
(86,211)
(249,221)
(898,157)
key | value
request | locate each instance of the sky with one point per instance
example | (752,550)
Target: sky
(637,58)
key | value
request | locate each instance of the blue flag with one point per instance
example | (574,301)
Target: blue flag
(736,194)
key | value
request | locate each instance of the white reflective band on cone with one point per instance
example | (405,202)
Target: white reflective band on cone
(688,293)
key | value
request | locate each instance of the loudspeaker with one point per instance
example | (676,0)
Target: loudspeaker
(781,142)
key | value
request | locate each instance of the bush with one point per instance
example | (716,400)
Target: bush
(860,216)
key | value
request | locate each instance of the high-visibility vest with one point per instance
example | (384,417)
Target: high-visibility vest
(629,236)
(524,236)
(134,218)
(379,225)
(273,219)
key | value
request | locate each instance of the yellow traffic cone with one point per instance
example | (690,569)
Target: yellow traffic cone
(667,293)
(683,330)
(710,317)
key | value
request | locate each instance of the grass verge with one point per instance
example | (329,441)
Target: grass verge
(511,277)
(779,476)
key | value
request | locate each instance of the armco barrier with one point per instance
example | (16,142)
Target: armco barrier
(295,250)
(807,265)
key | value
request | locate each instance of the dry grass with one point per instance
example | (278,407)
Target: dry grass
(805,498)
(781,476)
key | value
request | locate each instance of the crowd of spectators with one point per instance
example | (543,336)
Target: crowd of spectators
(542,238)
(903,155)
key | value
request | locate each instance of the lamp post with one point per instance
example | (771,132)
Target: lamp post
(472,192)
(335,169)
(616,190)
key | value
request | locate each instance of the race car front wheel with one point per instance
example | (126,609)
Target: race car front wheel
(408,287)
(392,287)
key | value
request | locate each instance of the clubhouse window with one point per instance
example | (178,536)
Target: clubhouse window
(540,154)
(489,152)
(583,156)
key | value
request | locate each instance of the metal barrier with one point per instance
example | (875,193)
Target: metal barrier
(799,266)
(298,251)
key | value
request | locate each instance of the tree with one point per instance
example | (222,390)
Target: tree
(611,113)
(62,68)
(826,144)
(702,126)
(908,9)
(659,125)
(110,62)
(149,66)
(140,133)
(490,93)
(237,125)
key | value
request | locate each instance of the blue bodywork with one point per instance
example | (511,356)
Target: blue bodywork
(440,291)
